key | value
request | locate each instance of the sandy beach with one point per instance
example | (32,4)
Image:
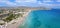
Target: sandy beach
(18,22)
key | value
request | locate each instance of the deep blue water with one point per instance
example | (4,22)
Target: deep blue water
(42,19)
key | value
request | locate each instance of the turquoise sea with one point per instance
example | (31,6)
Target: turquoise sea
(42,19)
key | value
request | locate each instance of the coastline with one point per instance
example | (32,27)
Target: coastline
(19,21)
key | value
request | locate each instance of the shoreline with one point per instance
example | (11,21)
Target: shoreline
(19,21)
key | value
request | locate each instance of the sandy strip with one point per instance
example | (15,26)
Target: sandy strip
(19,21)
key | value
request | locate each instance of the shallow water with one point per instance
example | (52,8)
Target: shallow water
(42,19)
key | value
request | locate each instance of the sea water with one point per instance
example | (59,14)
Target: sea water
(42,19)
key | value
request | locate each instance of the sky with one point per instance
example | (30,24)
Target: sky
(32,3)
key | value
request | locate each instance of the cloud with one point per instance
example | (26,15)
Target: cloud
(25,1)
(3,1)
(28,3)
(7,2)
(47,1)
(18,2)
(58,0)
(10,3)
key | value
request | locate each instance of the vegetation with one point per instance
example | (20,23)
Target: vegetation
(1,12)
(11,17)
(2,23)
